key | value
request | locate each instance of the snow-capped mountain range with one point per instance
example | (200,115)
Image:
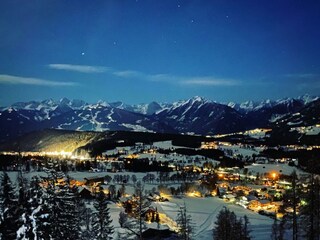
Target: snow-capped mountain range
(193,116)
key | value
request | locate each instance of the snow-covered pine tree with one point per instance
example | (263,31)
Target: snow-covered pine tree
(48,214)
(8,209)
(184,223)
(25,209)
(101,222)
(68,217)
(59,216)
(34,205)
(130,224)
(87,219)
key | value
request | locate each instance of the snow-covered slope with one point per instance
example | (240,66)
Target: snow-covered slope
(193,116)
(201,116)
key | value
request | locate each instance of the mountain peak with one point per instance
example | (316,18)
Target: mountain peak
(306,98)
(198,99)
(64,101)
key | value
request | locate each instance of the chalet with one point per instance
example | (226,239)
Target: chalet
(90,181)
(229,197)
(256,205)
(261,160)
(84,193)
(155,231)
(150,214)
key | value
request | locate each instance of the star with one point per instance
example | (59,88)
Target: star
(179,5)
(192,21)
(82,53)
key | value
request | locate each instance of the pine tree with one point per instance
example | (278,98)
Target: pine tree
(310,210)
(223,225)
(245,228)
(135,224)
(229,227)
(35,194)
(27,207)
(277,229)
(87,219)
(8,209)
(291,200)
(59,216)
(7,195)
(184,224)
(47,213)
(101,223)
(142,205)
(68,214)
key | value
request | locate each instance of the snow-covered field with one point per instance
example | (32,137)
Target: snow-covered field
(267,168)
(308,130)
(204,212)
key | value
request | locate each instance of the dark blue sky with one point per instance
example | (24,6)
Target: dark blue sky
(139,51)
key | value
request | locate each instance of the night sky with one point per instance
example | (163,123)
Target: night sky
(140,51)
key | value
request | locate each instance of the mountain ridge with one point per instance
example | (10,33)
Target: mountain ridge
(196,115)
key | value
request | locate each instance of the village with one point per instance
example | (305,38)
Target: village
(170,179)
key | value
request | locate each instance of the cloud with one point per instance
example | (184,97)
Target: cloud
(303,76)
(210,81)
(129,74)
(79,68)
(199,81)
(9,79)
(168,78)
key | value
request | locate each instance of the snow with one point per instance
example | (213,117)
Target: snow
(294,123)
(256,133)
(308,130)
(276,117)
(136,128)
(109,116)
(266,168)
(204,212)
(164,145)
(245,152)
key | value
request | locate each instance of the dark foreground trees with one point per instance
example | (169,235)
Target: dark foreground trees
(184,224)
(133,219)
(8,209)
(49,209)
(101,222)
(229,227)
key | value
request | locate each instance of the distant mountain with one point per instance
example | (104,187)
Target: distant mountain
(201,116)
(303,126)
(249,106)
(144,108)
(193,116)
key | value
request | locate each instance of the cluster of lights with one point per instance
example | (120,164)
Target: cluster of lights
(58,153)
(62,153)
